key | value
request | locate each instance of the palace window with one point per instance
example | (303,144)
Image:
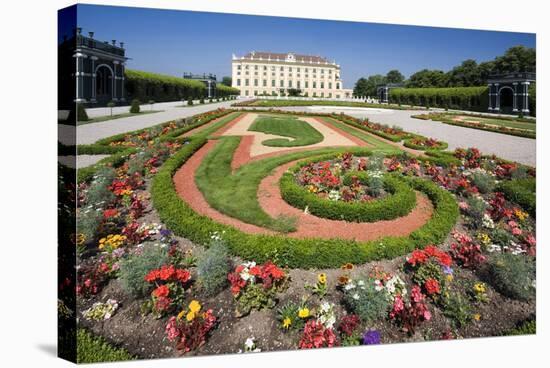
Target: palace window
(255,83)
(238,67)
(255,67)
(282,83)
(314,84)
(238,82)
(307,84)
(337,85)
(246,82)
(273,83)
(298,84)
(265,83)
(329,85)
(322,84)
(289,84)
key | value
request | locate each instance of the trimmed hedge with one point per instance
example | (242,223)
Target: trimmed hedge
(146,86)
(225,91)
(462,98)
(291,252)
(522,192)
(399,202)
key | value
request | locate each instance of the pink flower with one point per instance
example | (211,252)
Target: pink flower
(531,240)
(516,231)
(427,315)
(463,206)
(512,224)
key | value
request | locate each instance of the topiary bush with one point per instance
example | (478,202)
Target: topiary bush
(190,101)
(135,267)
(513,275)
(134,107)
(213,267)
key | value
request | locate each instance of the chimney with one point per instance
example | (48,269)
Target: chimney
(122,45)
(114,42)
(91,34)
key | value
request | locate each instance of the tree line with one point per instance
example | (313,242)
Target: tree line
(469,73)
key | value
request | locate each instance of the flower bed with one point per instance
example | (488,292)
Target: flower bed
(423,143)
(340,190)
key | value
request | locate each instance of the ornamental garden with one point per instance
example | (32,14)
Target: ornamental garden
(239,231)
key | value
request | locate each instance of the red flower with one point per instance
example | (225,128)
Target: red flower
(166,272)
(163,303)
(161,291)
(111,212)
(432,286)
(183,275)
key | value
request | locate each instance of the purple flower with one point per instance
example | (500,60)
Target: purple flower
(165,233)
(371,337)
(447,270)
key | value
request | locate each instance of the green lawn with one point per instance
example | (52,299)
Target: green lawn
(94,349)
(378,143)
(116,116)
(235,193)
(303,133)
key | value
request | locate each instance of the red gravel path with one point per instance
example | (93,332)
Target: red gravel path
(242,153)
(310,226)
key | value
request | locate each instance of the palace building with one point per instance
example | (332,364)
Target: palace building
(279,74)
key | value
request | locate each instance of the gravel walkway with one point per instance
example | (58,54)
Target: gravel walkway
(81,160)
(89,133)
(506,146)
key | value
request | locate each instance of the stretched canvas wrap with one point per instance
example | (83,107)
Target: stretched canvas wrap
(236,183)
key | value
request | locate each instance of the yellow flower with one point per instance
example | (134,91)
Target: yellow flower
(303,313)
(181,314)
(449,278)
(477,316)
(287,322)
(322,277)
(190,316)
(480,288)
(194,306)
(484,238)
(521,215)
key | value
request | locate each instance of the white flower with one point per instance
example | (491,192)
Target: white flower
(487,222)
(355,296)
(349,286)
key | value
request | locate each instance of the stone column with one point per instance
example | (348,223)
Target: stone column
(122,98)
(79,74)
(115,77)
(497,98)
(515,102)
(94,59)
(525,109)
(490,85)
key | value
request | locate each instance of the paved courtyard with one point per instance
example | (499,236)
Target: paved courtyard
(506,146)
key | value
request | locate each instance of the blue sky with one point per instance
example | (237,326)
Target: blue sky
(172,42)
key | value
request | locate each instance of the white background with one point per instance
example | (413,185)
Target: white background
(28,178)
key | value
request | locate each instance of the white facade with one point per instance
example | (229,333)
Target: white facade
(273,74)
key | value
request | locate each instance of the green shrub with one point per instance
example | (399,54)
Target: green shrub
(135,267)
(98,193)
(463,98)
(93,349)
(134,107)
(88,221)
(483,181)
(190,101)
(476,210)
(513,275)
(213,267)
(522,192)
(365,301)
(201,101)
(458,309)
(147,86)
(528,327)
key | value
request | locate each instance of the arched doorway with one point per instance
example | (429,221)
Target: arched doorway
(104,83)
(506,95)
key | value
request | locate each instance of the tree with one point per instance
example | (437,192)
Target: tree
(367,87)
(227,81)
(294,92)
(394,76)
(466,74)
(516,59)
(427,78)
